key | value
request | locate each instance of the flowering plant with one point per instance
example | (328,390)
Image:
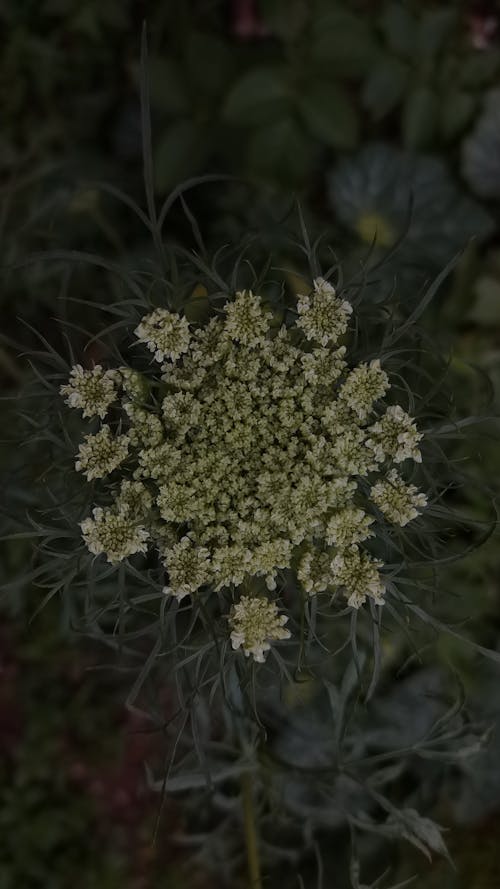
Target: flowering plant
(251,497)
(244,453)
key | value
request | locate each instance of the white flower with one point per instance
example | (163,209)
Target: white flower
(397,501)
(134,499)
(255,623)
(246,321)
(322,315)
(117,534)
(363,386)
(348,526)
(395,437)
(188,568)
(90,390)
(357,573)
(314,571)
(165,333)
(101,453)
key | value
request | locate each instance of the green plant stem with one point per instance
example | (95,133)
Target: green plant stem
(251,840)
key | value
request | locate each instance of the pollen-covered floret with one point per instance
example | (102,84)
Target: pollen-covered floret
(246,321)
(255,623)
(395,437)
(117,534)
(133,383)
(323,366)
(101,453)
(364,385)
(314,571)
(322,315)
(188,567)
(134,499)
(348,526)
(145,427)
(355,571)
(397,501)
(164,333)
(90,390)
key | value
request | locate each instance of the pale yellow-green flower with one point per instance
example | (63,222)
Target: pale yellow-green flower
(322,315)
(398,501)
(92,391)
(164,333)
(115,533)
(101,453)
(255,623)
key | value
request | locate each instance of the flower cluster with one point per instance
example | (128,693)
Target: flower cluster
(398,501)
(245,451)
(101,453)
(255,623)
(322,316)
(116,533)
(92,391)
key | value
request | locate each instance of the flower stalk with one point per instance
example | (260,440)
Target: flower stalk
(250,829)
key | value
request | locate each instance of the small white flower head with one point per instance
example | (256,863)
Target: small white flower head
(231,564)
(92,391)
(176,500)
(323,366)
(145,427)
(357,573)
(116,534)
(397,501)
(188,567)
(395,437)
(268,557)
(181,411)
(246,321)
(314,571)
(134,499)
(134,383)
(348,526)
(101,453)
(350,454)
(164,333)
(322,315)
(363,387)
(255,623)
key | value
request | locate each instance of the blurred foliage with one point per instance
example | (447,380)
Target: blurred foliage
(74,804)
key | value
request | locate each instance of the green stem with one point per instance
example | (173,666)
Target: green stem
(251,840)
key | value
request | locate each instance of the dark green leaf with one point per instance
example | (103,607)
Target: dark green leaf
(342,43)
(479,68)
(167,86)
(210,61)
(285,18)
(486,309)
(434,28)
(330,115)
(179,153)
(281,149)
(481,150)
(457,108)
(258,96)
(419,118)
(384,86)
(399,27)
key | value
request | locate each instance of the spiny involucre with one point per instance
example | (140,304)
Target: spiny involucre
(258,451)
